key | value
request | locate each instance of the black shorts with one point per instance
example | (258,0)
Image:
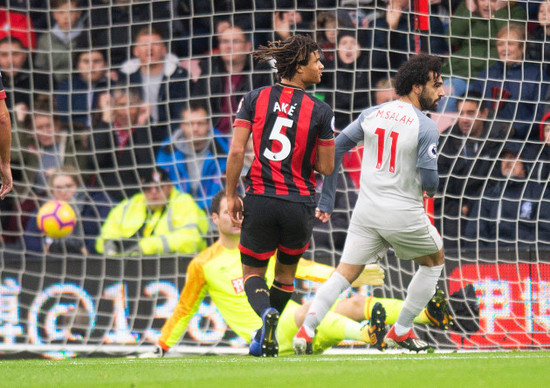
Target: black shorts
(272,223)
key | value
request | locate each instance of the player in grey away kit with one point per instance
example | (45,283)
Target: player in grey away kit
(398,171)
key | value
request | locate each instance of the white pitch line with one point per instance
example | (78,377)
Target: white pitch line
(396,357)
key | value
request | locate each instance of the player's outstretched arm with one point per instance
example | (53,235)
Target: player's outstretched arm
(5,146)
(372,274)
(325,160)
(235,161)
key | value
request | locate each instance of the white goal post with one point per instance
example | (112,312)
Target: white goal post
(65,304)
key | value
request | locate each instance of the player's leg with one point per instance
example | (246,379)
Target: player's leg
(254,283)
(324,299)
(361,245)
(295,221)
(287,328)
(264,343)
(333,329)
(426,248)
(421,289)
(258,243)
(359,307)
(283,284)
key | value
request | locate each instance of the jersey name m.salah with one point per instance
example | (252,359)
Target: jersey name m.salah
(287,126)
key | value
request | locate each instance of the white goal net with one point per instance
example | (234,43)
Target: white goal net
(102,86)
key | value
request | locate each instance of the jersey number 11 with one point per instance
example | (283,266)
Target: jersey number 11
(381,133)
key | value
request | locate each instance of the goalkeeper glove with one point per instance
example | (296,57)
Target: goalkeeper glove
(372,275)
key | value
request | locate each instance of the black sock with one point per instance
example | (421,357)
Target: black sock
(257,293)
(280,294)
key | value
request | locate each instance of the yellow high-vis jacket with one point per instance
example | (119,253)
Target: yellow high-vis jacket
(178,228)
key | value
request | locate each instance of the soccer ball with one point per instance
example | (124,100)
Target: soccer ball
(56,219)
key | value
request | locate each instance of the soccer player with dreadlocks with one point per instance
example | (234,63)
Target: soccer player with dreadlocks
(293,136)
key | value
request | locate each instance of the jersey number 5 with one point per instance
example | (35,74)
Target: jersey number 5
(280,123)
(381,133)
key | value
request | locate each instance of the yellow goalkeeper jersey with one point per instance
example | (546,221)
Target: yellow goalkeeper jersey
(218,272)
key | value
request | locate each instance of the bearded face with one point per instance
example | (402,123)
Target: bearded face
(426,102)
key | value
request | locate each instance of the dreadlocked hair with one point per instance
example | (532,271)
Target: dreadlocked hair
(288,54)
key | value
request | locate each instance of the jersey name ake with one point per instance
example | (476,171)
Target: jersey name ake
(285,108)
(395,116)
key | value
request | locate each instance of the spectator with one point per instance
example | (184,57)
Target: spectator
(113,23)
(394,39)
(506,216)
(474,26)
(20,83)
(53,52)
(91,208)
(226,77)
(205,20)
(283,23)
(123,143)
(538,48)
(196,154)
(539,152)
(467,154)
(347,80)
(285,19)
(361,13)
(18,26)
(162,82)
(514,87)
(35,10)
(384,91)
(156,221)
(78,97)
(326,33)
(50,146)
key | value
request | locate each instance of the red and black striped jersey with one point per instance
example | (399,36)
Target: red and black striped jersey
(2,91)
(287,126)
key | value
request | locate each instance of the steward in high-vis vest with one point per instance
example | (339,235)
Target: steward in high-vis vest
(157,220)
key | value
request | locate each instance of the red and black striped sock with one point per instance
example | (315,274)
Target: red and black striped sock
(280,294)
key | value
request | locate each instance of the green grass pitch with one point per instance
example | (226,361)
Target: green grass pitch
(439,370)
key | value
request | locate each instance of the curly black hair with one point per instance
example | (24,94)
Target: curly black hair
(416,71)
(288,54)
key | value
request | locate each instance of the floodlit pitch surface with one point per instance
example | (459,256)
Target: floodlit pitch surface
(444,370)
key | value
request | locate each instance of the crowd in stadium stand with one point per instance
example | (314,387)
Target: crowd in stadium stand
(113,88)
(467,152)
(195,155)
(511,200)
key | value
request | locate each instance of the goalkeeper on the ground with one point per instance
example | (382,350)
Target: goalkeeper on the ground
(217,271)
